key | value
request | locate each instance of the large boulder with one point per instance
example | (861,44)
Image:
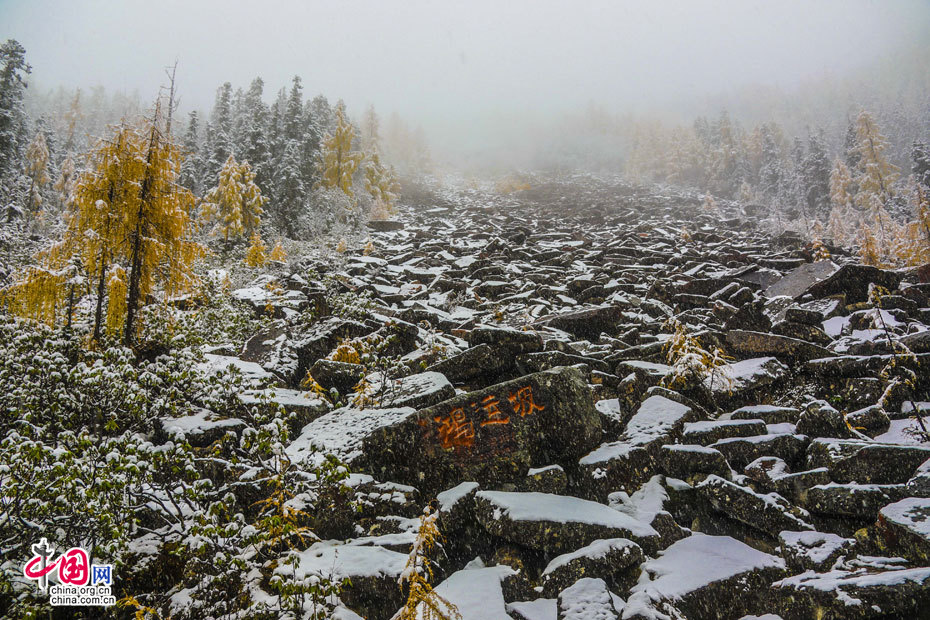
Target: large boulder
(784,348)
(493,435)
(588,599)
(769,513)
(710,577)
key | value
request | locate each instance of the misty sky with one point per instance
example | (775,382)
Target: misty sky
(445,64)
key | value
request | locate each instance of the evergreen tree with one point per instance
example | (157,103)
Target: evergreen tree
(256,147)
(13,67)
(191,167)
(289,190)
(816,174)
(219,141)
(771,166)
(920,162)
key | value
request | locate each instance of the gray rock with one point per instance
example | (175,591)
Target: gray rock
(818,419)
(767,513)
(741,451)
(708,432)
(684,461)
(615,559)
(782,347)
(860,501)
(817,551)
(799,280)
(904,528)
(470,363)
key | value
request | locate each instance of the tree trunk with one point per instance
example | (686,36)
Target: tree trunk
(135,274)
(101,284)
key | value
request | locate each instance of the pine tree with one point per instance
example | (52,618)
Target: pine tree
(339,161)
(236,201)
(37,171)
(816,174)
(842,220)
(771,166)
(191,167)
(920,166)
(13,67)
(289,189)
(381,183)
(256,146)
(72,117)
(371,131)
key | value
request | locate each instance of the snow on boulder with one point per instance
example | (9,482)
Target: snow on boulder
(342,431)
(702,575)
(250,371)
(744,376)
(557,523)
(373,572)
(860,593)
(589,599)
(769,513)
(200,429)
(476,592)
(628,462)
(814,550)
(618,559)
(905,527)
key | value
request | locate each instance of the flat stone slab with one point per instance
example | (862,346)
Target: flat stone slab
(797,281)
(557,523)
(782,347)
(769,513)
(618,559)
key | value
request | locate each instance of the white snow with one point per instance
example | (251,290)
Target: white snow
(596,550)
(587,599)
(476,593)
(198,423)
(835,326)
(696,561)
(219,363)
(449,497)
(562,509)
(912,513)
(336,560)
(540,609)
(905,431)
(746,374)
(340,432)
(818,546)
(644,503)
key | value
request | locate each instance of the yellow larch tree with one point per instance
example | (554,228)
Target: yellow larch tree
(256,255)
(338,161)
(381,183)
(235,204)
(36,170)
(277,252)
(128,225)
(876,176)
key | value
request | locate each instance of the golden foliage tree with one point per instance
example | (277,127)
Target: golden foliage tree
(128,225)
(36,170)
(339,161)
(235,204)
(256,255)
(381,183)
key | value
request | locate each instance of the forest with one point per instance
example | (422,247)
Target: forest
(277,357)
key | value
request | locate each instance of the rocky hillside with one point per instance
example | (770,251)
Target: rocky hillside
(621,404)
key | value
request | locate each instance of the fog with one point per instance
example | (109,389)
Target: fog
(467,72)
